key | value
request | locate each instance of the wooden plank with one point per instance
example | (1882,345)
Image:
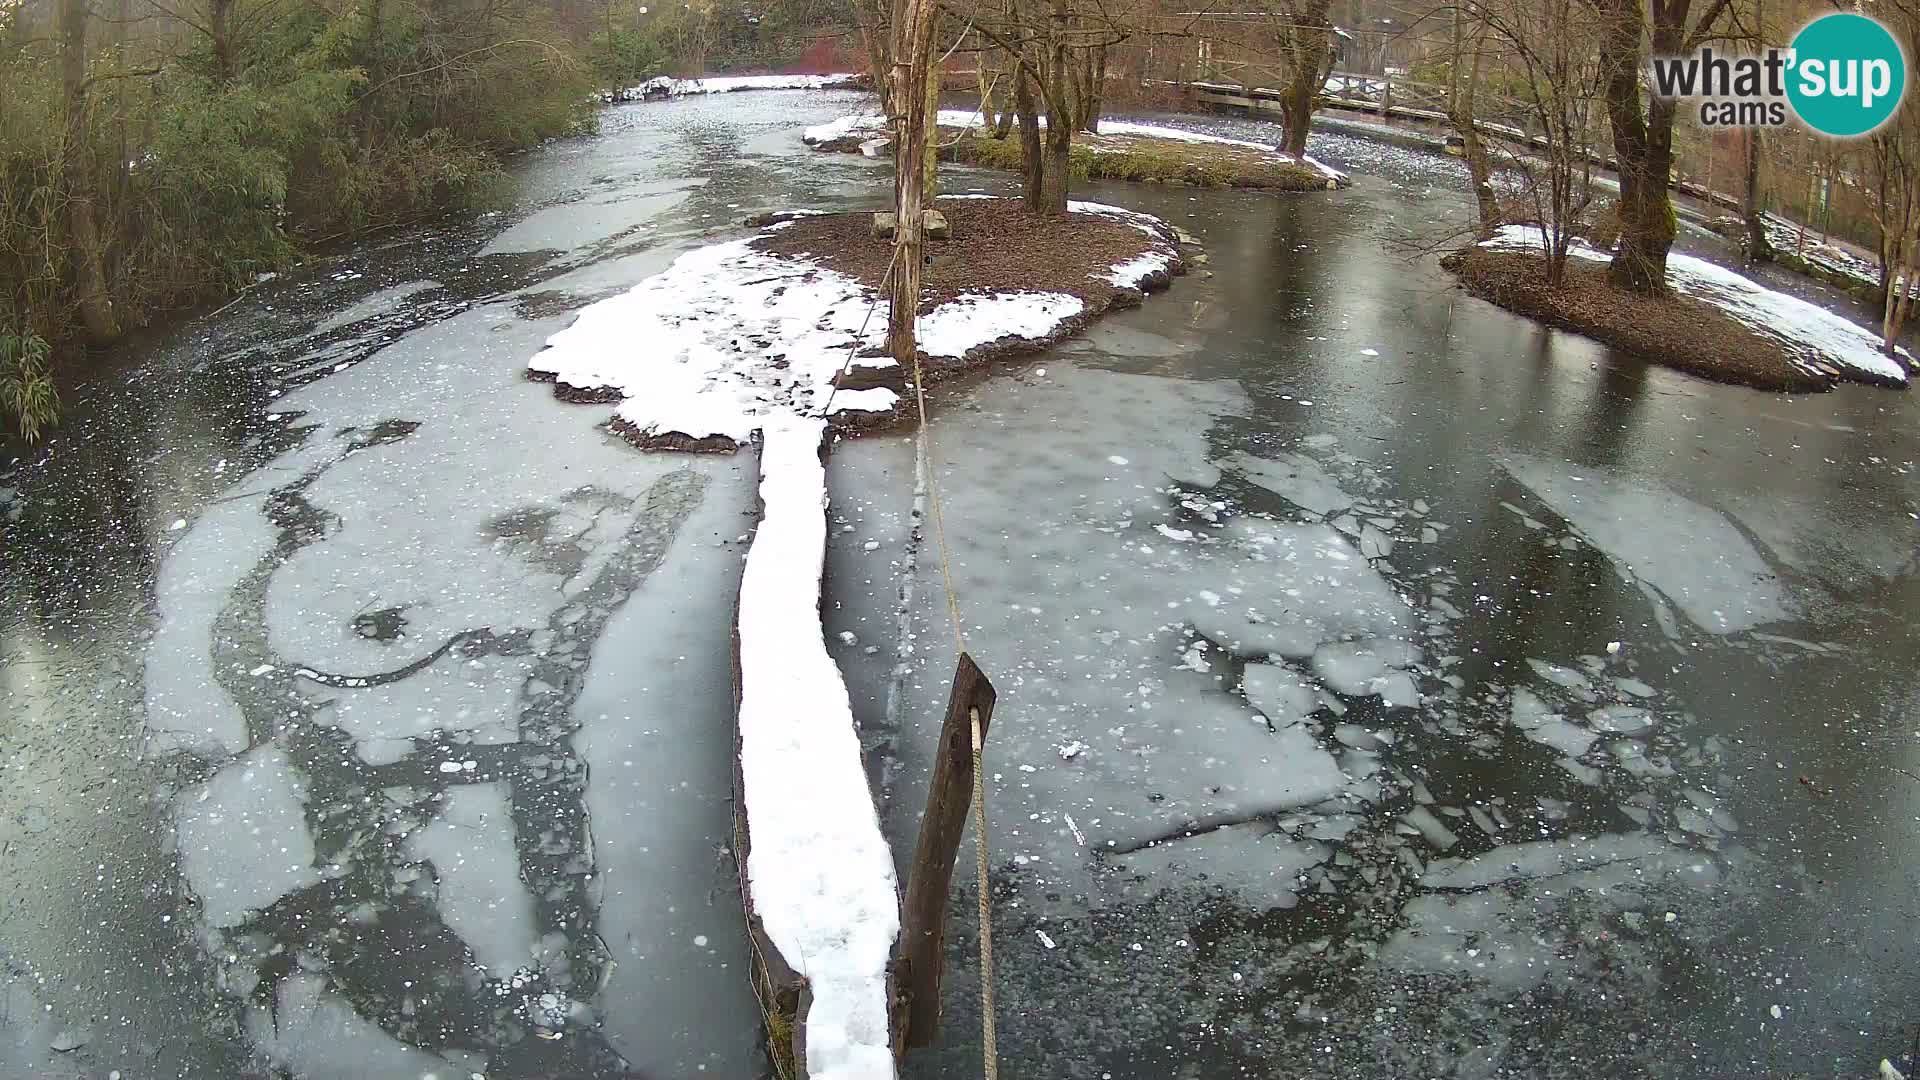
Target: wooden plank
(921,956)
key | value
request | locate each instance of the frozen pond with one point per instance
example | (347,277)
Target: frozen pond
(1388,687)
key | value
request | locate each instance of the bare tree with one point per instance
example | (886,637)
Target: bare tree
(85,258)
(1643,129)
(1540,49)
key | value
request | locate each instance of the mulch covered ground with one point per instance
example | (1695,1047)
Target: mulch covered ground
(1679,332)
(996,247)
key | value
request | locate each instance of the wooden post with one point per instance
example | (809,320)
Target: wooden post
(921,959)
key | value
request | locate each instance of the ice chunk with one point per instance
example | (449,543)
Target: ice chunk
(480,893)
(1625,719)
(1693,556)
(243,836)
(1296,478)
(1559,676)
(1431,828)
(1359,668)
(1280,694)
(1250,861)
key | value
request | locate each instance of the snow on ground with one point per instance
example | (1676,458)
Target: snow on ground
(672,346)
(666,86)
(1816,339)
(820,871)
(1113,134)
(689,350)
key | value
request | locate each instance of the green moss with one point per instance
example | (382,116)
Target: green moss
(780,1043)
(1148,160)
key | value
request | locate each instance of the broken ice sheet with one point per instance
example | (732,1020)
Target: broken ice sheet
(1689,553)
(1250,861)
(243,836)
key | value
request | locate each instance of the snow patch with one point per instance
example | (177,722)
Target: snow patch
(821,874)
(1816,340)
(666,86)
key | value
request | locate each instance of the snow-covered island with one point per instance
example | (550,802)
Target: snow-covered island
(1714,322)
(789,321)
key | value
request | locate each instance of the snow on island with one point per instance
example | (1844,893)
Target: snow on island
(1816,340)
(1113,135)
(702,354)
(665,86)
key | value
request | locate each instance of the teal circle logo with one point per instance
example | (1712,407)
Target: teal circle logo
(1848,75)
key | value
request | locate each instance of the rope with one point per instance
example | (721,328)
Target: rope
(989,1039)
(933,499)
(853,349)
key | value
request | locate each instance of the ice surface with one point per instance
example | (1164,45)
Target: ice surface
(187,708)
(1303,585)
(317,1035)
(1105,139)
(1259,866)
(1296,478)
(243,837)
(1280,694)
(1076,602)
(1511,945)
(1816,339)
(1692,555)
(821,875)
(470,845)
(657,693)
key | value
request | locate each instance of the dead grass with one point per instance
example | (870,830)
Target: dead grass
(1674,331)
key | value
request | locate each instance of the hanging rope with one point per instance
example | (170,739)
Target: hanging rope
(989,1039)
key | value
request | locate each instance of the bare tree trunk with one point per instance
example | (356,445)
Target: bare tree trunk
(1097,92)
(1033,163)
(912,64)
(84,251)
(985,81)
(1460,93)
(930,157)
(1758,248)
(219,30)
(879,66)
(1059,169)
(1312,36)
(1643,144)
(1058,89)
